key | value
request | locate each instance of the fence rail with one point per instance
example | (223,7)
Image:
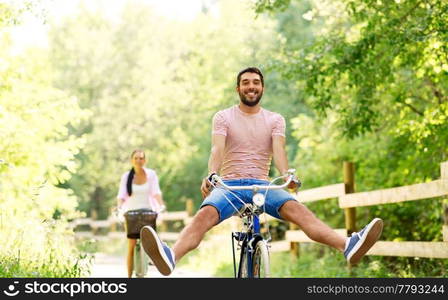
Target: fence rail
(111,223)
(413,192)
(321,193)
(349,200)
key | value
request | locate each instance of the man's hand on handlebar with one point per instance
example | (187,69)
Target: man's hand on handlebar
(206,185)
(295,183)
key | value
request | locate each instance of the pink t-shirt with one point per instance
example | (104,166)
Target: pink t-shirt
(248,148)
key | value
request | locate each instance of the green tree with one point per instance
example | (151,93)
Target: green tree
(373,74)
(36,156)
(381,66)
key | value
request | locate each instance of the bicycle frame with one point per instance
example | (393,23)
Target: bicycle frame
(250,239)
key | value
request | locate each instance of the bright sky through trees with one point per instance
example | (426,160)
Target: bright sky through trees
(33,32)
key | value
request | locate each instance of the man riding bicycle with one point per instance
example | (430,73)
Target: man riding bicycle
(245,137)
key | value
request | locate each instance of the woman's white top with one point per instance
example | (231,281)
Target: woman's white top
(143,195)
(139,197)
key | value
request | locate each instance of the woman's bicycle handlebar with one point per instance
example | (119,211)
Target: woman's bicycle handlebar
(289,175)
(118,212)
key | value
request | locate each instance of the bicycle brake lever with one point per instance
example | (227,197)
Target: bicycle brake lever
(297,182)
(211,178)
(161,209)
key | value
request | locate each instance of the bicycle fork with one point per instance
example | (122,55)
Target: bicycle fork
(246,242)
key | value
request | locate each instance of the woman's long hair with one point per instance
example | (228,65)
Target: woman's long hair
(131,173)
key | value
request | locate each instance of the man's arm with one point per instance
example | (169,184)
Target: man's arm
(215,160)
(217,153)
(281,160)
(279,153)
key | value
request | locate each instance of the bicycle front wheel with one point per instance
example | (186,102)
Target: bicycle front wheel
(261,264)
(243,271)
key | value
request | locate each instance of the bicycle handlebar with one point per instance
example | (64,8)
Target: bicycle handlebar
(290,174)
(119,211)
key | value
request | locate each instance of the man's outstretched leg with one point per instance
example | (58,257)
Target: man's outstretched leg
(165,258)
(354,247)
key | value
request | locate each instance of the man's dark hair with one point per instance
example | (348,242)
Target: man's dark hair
(249,70)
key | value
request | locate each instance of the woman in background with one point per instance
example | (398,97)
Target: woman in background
(139,189)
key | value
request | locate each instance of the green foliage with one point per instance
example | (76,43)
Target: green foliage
(375,71)
(36,155)
(384,54)
(12,13)
(52,255)
(373,79)
(270,5)
(320,261)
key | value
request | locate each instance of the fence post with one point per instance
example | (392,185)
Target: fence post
(444,176)
(189,207)
(445,222)
(94,217)
(162,226)
(294,247)
(349,181)
(444,170)
(112,219)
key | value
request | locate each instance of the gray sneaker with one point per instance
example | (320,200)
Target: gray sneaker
(360,242)
(161,255)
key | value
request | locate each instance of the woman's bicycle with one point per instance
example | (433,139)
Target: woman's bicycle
(254,247)
(134,221)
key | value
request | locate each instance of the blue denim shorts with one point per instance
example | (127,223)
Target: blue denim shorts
(221,198)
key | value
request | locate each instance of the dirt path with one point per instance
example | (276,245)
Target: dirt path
(109,263)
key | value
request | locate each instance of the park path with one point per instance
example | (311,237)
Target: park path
(110,264)
(114,266)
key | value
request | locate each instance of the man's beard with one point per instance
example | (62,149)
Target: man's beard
(248,102)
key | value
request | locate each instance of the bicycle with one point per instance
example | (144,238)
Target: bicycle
(134,221)
(254,259)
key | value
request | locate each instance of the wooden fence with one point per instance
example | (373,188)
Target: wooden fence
(349,200)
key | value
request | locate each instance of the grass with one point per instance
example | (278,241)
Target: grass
(55,264)
(321,261)
(45,250)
